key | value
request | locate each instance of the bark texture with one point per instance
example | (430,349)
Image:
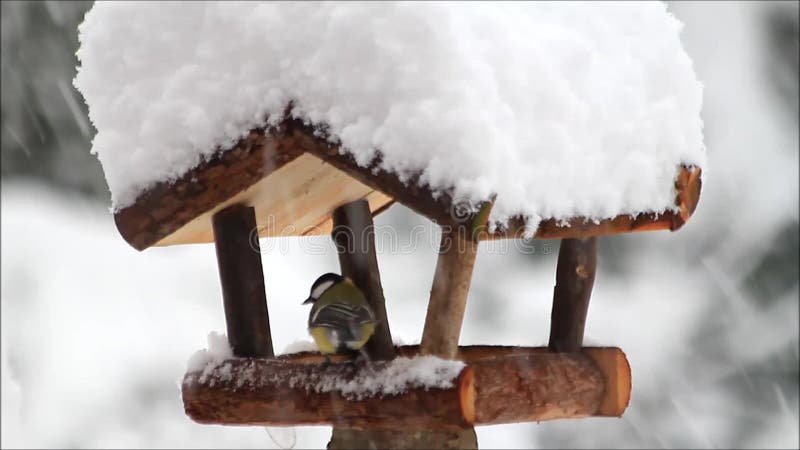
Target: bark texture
(354,236)
(575,272)
(498,385)
(242,279)
(448,301)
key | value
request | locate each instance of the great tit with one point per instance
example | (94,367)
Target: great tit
(340,319)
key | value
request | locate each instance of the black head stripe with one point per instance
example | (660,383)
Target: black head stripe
(330,276)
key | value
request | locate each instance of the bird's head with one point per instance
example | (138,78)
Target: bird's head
(323,283)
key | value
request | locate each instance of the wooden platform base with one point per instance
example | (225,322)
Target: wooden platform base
(497,385)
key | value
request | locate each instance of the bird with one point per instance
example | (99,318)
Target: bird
(340,320)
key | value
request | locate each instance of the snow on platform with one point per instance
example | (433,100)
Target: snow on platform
(562,109)
(376,380)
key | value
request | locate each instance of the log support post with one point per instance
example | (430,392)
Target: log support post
(577,263)
(354,236)
(442,329)
(448,301)
(457,251)
(348,438)
(242,279)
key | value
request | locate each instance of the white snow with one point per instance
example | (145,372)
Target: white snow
(396,377)
(561,108)
(208,360)
(299,346)
(379,379)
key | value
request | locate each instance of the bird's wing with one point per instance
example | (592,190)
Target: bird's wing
(343,308)
(341,315)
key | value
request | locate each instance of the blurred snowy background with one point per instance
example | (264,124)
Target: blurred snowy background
(95,335)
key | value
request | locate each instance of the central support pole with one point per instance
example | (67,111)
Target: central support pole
(577,264)
(354,236)
(242,279)
(348,438)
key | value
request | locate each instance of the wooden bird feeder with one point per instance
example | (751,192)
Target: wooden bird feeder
(287,180)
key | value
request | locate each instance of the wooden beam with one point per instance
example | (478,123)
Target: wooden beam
(354,236)
(448,300)
(171,205)
(577,264)
(242,279)
(498,385)
(408,191)
(687,194)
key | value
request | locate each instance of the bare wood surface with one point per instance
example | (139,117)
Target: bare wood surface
(499,385)
(168,206)
(295,200)
(575,272)
(687,186)
(242,279)
(617,372)
(448,300)
(354,236)
(235,176)
(539,387)
(299,199)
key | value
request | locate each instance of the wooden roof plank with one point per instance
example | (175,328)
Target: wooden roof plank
(179,212)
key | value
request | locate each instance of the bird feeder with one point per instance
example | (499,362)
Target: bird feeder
(297,178)
(227,123)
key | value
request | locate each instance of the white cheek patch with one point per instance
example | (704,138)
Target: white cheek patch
(317,292)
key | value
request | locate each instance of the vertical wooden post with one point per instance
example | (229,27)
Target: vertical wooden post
(455,439)
(354,236)
(242,279)
(577,263)
(448,300)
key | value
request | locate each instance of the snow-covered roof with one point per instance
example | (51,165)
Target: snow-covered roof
(561,109)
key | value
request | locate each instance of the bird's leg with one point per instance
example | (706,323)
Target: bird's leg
(353,357)
(326,362)
(362,353)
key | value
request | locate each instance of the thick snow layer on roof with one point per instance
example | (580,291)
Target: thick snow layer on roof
(563,109)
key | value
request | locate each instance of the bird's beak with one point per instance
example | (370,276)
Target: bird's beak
(308,301)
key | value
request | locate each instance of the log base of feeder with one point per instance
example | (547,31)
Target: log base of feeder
(497,385)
